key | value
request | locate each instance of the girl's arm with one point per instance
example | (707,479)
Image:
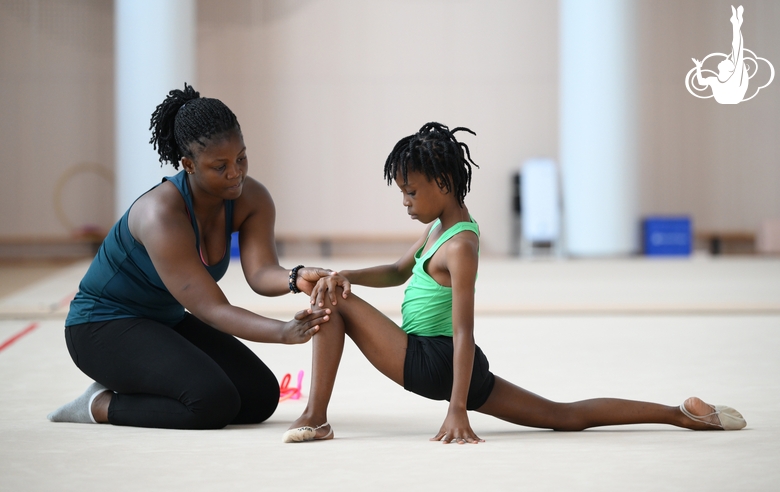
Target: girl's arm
(378,276)
(385,275)
(461,262)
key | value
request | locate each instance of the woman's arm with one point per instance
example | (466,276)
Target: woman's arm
(160,222)
(254,217)
(461,262)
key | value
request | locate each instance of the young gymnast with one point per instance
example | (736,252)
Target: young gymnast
(155,364)
(433,353)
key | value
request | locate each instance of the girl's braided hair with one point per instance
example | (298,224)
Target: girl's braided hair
(435,152)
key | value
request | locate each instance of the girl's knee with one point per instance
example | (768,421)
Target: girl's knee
(568,419)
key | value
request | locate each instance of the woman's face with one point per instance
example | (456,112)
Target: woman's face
(220,167)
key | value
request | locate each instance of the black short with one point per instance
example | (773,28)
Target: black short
(428,371)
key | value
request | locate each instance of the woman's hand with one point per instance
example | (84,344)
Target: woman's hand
(328,286)
(304,325)
(456,428)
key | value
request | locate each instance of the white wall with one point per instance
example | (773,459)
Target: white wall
(719,163)
(56,102)
(323,89)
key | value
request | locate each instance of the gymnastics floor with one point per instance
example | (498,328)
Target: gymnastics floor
(656,330)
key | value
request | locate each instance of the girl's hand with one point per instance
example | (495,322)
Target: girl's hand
(309,276)
(328,286)
(304,325)
(456,428)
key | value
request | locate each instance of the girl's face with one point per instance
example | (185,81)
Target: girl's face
(423,199)
(220,167)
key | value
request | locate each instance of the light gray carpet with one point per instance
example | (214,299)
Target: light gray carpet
(661,334)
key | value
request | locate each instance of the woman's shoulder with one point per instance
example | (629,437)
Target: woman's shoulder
(254,196)
(255,201)
(161,198)
(254,189)
(156,209)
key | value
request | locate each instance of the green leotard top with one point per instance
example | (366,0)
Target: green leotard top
(427,306)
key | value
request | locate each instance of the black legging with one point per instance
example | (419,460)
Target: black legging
(191,376)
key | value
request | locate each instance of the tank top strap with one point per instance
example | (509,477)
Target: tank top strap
(448,234)
(179,180)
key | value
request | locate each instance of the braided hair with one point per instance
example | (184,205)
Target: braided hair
(183,118)
(434,152)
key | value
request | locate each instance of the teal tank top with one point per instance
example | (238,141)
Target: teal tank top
(427,305)
(122,282)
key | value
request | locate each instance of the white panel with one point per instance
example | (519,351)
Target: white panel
(540,200)
(155,52)
(598,126)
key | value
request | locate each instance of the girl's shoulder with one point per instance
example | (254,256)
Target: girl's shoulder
(462,243)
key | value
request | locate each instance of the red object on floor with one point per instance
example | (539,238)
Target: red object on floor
(19,335)
(288,393)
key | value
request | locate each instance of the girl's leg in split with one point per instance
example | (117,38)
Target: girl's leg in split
(514,404)
(384,345)
(379,338)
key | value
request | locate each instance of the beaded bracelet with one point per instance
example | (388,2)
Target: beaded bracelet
(294,279)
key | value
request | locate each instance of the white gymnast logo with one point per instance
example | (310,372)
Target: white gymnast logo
(735,70)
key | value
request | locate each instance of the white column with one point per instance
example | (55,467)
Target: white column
(154,53)
(598,126)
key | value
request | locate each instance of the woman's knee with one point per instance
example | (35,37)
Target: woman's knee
(214,406)
(260,399)
(257,411)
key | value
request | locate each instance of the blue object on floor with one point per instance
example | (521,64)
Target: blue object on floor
(234,253)
(667,236)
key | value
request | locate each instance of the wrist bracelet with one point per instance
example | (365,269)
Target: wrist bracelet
(294,279)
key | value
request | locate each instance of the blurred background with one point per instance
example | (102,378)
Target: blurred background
(323,89)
